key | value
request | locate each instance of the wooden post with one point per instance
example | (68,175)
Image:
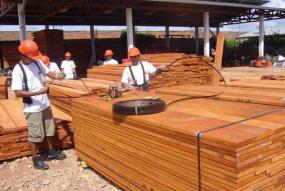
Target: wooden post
(22,22)
(215,78)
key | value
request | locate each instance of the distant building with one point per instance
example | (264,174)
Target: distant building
(268,32)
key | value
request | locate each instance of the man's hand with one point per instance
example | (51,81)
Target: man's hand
(42,90)
(160,69)
(59,76)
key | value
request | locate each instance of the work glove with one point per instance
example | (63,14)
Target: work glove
(160,69)
(59,76)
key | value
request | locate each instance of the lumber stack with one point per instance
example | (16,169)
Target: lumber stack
(62,92)
(258,84)
(3,88)
(240,145)
(50,42)
(14,131)
(10,54)
(191,69)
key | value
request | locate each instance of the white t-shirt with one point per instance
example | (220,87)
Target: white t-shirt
(68,66)
(138,73)
(111,61)
(35,82)
(53,67)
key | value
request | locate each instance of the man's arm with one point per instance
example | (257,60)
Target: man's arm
(125,85)
(23,93)
(57,76)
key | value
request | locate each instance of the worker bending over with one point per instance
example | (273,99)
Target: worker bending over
(68,67)
(109,58)
(136,75)
(27,82)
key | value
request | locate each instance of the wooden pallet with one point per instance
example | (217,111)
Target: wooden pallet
(14,132)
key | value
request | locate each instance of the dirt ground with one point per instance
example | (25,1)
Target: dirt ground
(19,175)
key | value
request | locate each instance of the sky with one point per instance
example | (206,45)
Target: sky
(241,27)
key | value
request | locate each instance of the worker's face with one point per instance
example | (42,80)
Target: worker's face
(68,57)
(108,57)
(26,60)
(135,60)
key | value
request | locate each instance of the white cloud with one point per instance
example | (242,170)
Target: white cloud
(276,3)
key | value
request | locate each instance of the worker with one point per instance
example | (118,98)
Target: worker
(136,75)
(109,58)
(68,67)
(27,83)
(52,66)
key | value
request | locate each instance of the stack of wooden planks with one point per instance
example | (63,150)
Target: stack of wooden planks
(14,131)
(62,92)
(191,69)
(257,84)
(10,54)
(197,144)
(3,88)
(50,42)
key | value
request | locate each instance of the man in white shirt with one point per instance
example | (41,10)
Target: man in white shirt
(109,58)
(27,82)
(68,67)
(50,65)
(136,75)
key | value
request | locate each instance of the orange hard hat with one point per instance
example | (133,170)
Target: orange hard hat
(134,52)
(108,53)
(30,49)
(67,54)
(45,59)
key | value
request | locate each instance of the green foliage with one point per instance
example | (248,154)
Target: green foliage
(231,43)
(142,39)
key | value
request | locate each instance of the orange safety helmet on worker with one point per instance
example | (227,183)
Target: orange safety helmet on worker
(108,53)
(45,59)
(109,58)
(136,75)
(30,49)
(67,54)
(133,52)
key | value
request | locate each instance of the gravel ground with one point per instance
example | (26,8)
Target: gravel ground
(19,175)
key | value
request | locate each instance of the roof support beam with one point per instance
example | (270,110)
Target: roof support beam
(167,40)
(215,3)
(92,41)
(206,35)
(197,41)
(22,20)
(10,7)
(261,36)
(130,28)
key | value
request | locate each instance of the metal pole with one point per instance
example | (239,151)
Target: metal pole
(206,35)
(22,22)
(46,27)
(130,32)
(261,36)
(217,30)
(167,37)
(93,50)
(197,41)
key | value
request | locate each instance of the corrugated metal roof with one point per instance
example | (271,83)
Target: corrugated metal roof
(249,2)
